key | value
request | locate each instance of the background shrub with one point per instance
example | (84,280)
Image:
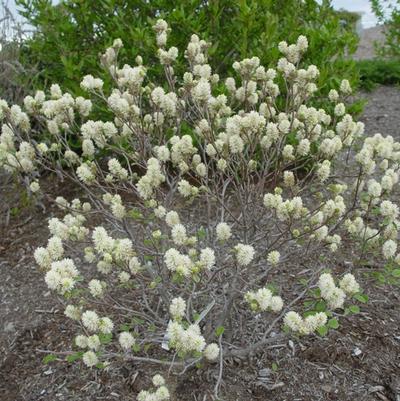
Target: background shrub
(70,35)
(388,14)
(378,71)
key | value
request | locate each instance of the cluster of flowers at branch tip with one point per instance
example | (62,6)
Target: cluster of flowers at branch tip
(160,393)
(207,190)
(334,296)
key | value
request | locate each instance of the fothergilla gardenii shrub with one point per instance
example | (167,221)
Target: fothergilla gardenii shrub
(211,192)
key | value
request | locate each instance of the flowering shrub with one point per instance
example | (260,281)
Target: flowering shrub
(211,192)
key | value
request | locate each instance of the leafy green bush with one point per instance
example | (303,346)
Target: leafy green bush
(383,72)
(388,14)
(70,35)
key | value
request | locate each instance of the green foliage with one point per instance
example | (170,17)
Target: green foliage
(49,358)
(70,35)
(378,71)
(388,14)
(389,275)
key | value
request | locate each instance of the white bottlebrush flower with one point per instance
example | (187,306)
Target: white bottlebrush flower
(313,322)
(340,109)
(96,288)
(105,325)
(72,312)
(178,234)
(90,83)
(162,394)
(158,380)
(90,359)
(293,320)
(177,262)
(273,257)
(93,342)
(276,304)
(160,212)
(223,231)
(134,265)
(172,218)
(34,187)
(211,352)
(244,254)
(207,258)
(345,87)
(81,341)
(124,277)
(177,308)
(126,340)
(90,320)
(389,249)
(349,284)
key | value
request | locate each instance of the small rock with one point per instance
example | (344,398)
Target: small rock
(264,372)
(326,388)
(9,327)
(356,351)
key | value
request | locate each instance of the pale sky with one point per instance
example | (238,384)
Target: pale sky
(368,18)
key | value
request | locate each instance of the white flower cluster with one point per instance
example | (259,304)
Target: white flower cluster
(185,265)
(188,340)
(62,275)
(333,295)
(244,254)
(290,208)
(151,180)
(161,392)
(223,231)
(185,340)
(109,251)
(263,300)
(306,325)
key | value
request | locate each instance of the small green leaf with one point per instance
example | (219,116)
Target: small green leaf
(135,347)
(74,357)
(147,347)
(49,358)
(396,273)
(137,320)
(274,366)
(354,309)
(201,233)
(219,331)
(124,327)
(105,338)
(320,306)
(333,323)
(322,331)
(135,214)
(361,298)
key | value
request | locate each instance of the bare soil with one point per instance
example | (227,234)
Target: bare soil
(358,362)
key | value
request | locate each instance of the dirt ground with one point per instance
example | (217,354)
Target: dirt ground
(358,362)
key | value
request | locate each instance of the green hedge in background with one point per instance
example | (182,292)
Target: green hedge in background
(378,72)
(68,37)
